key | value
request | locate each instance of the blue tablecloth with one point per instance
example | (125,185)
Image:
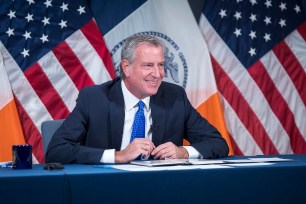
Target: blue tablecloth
(282,182)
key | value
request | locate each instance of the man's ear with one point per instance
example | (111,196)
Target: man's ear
(125,67)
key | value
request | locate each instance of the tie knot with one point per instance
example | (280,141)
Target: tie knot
(140,105)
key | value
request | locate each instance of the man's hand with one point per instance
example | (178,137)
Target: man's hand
(170,150)
(139,146)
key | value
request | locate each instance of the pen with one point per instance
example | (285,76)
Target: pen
(6,165)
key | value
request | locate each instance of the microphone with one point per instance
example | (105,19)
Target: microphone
(154,127)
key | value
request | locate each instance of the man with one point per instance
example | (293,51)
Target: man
(100,129)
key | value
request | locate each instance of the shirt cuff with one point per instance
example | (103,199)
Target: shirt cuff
(193,153)
(108,156)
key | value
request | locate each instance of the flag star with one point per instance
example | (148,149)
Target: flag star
(46,21)
(297,9)
(64,7)
(237,15)
(267,37)
(30,2)
(252,34)
(267,20)
(27,35)
(29,17)
(238,1)
(44,38)
(253,17)
(253,2)
(282,6)
(81,10)
(268,3)
(25,53)
(252,51)
(282,22)
(237,32)
(222,13)
(12,14)
(10,32)
(48,3)
(63,24)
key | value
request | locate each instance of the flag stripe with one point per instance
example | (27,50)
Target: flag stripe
(278,105)
(52,101)
(236,148)
(286,89)
(72,65)
(38,112)
(242,137)
(302,30)
(243,110)
(59,79)
(10,130)
(297,45)
(32,134)
(292,66)
(94,35)
(88,57)
(211,110)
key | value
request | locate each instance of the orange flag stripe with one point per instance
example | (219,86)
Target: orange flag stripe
(211,110)
(10,130)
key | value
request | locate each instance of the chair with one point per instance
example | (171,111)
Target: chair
(48,129)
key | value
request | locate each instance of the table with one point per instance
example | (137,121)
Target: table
(282,182)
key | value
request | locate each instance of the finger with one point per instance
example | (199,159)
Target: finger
(159,148)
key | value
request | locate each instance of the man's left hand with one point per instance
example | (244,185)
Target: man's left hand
(169,150)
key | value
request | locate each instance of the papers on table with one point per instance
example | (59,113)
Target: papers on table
(184,164)
(170,162)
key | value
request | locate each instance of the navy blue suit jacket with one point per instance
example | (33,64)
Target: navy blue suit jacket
(96,124)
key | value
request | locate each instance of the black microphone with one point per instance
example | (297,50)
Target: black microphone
(154,127)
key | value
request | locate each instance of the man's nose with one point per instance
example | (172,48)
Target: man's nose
(156,71)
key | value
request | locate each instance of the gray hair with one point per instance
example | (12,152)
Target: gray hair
(132,42)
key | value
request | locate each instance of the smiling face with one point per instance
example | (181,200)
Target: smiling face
(144,75)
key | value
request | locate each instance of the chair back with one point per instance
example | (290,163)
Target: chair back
(48,129)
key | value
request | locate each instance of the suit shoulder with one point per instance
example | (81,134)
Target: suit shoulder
(170,87)
(105,87)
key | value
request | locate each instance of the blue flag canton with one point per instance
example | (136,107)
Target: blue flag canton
(31,28)
(251,28)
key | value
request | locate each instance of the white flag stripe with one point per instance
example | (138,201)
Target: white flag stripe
(88,57)
(6,92)
(59,79)
(24,91)
(239,133)
(298,46)
(240,78)
(286,87)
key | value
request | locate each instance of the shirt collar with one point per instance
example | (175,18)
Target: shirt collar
(130,100)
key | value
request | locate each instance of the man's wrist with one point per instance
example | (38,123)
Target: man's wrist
(184,153)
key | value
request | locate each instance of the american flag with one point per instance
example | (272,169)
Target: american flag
(51,49)
(258,52)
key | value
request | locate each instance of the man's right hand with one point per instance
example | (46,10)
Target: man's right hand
(139,146)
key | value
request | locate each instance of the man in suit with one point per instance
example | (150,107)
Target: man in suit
(100,129)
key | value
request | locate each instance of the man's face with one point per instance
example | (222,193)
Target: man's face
(145,74)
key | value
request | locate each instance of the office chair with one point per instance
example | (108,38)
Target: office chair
(48,129)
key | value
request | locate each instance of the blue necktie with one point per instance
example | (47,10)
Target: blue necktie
(138,129)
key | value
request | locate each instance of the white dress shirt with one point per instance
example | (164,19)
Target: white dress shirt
(130,109)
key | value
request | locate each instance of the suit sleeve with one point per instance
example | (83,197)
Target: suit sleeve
(66,146)
(202,135)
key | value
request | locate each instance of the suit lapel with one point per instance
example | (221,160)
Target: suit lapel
(159,117)
(116,108)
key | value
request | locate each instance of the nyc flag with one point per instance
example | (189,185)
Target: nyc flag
(187,60)
(50,50)
(258,52)
(10,128)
